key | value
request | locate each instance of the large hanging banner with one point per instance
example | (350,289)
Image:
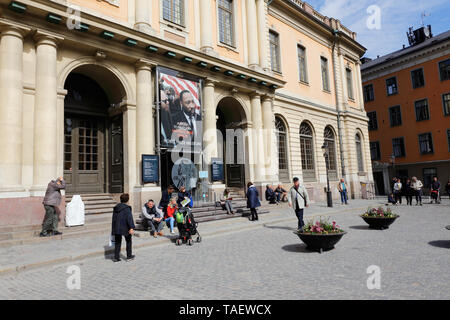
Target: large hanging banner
(180,101)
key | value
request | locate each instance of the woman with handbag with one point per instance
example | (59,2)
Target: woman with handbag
(253,201)
(298,199)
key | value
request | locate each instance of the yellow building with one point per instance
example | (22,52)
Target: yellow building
(82,85)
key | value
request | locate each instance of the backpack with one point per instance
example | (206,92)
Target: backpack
(179,217)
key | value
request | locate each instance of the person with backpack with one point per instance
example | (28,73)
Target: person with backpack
(122,225)
(253,201)
(298,200)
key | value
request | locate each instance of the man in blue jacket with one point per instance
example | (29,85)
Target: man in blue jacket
(122,225)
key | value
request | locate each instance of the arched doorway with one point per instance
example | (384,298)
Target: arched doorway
(93,134)
(232,123)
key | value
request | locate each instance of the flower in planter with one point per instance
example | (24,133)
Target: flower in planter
(321,227)
(379,213)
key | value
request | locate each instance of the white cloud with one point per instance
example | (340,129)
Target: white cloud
(396,18)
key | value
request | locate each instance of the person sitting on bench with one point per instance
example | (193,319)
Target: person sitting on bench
(270,195)
(153,217)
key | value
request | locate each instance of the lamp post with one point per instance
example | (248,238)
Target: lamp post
(325,154)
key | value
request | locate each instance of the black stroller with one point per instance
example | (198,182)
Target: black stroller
(187,227)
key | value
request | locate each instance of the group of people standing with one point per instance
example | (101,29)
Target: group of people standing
(414,188)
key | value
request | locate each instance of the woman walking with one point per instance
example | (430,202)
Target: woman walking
(253,200)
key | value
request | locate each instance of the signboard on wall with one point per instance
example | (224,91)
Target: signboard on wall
(180,110)
(217,169)
(150,168)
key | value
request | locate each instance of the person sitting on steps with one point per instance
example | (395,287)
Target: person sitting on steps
(153,216)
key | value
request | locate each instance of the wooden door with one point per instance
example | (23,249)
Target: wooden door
(84,154)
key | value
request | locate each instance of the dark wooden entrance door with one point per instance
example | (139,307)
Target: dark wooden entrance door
(235,171)
(84,139)
(379,183)
(116,155)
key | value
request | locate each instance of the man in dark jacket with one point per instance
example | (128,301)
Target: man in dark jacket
(122,225)
(270,195)
(52,201)
(434,192)
(253,200)
(182,194)
(165,198)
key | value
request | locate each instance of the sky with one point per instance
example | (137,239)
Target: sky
(388,33)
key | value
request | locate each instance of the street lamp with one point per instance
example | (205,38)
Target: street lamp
(325,151)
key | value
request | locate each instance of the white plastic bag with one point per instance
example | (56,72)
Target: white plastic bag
(112,240)
(75,212)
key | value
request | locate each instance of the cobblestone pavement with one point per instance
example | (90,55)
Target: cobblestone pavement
(267,262)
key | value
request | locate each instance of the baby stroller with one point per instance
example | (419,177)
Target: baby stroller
(187,227)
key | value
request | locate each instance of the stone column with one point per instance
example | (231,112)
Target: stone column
(206,26)
(262,34)
(145,124)
(45,115)
(268,138)
(258,148)
(142,8)
(252,32)
(209,122)
(11,92)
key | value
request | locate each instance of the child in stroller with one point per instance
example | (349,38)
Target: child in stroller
(187,227)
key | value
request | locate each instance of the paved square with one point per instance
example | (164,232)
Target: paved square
(268,261)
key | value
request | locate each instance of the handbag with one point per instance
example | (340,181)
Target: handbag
(301,196)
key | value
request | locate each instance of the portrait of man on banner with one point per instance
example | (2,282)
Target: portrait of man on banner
(181,121)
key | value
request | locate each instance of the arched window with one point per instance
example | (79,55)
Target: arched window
(280,132)
(330,159)
(307,151)
(359,154)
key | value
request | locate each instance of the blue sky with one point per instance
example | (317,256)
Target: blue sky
(396,17)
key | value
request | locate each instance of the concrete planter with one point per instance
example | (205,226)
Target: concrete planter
(320,242)
(379,222)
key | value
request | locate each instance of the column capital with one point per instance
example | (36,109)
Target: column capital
(13,29)
(255,94)
(211,82)
(48,38)
(268,97)
(145,64)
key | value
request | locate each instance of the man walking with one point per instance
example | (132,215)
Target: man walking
(51,202)
(417,186)
(122,225)
(298,199)
(342,187)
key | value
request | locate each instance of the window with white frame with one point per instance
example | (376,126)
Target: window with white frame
(307,151)
(301,52)
(281,134)
(173,11)
(330,157)
(359,154)
(225,17)
(274,51)
(324,71)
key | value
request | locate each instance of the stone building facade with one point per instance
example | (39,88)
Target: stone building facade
(78,95)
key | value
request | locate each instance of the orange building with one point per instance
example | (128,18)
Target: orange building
(407,99)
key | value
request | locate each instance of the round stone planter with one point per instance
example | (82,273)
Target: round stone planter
(320,242)
(379,223)
(447,227)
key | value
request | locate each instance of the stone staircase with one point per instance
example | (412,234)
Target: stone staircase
(96,203)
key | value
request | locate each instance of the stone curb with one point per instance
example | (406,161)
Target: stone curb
(35,265)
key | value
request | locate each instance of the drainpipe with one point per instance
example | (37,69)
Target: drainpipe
(335,33)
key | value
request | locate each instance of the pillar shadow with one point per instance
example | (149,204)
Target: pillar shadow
(440,244)
(361,227)
(281,228)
